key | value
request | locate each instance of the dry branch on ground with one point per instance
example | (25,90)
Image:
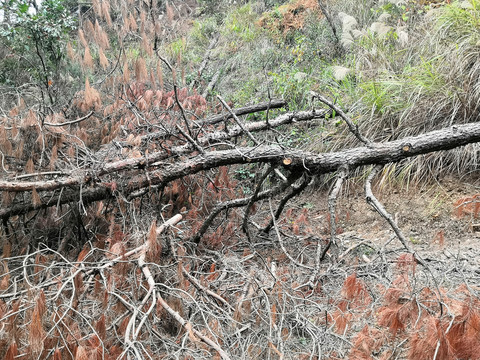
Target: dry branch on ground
(143,219)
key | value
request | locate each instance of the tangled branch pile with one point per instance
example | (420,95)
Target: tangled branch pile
(134,225)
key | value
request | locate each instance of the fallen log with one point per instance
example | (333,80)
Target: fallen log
(293,160)
(215,119)
(313,163)
(84,176)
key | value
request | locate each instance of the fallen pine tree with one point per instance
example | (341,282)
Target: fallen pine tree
(141,219)
(171,164)
(190,169)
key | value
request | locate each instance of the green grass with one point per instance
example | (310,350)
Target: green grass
(393,90)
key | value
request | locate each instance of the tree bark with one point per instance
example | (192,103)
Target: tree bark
(83,177)
(293,160)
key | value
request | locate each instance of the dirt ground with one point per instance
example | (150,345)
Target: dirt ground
(445,236)
(428,215)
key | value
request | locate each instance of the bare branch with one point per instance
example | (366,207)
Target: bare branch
(332,206)
(254,199)
(237,120)
(352,127)
(372,201)
(294,192)
(274,104)
(69,122)
(235,204)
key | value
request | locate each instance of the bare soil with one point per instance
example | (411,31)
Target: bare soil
(427,215)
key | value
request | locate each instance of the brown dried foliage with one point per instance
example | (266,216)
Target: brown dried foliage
(36,333)
(154,247)
(103,59)
(467,206)
(367,343)
(293,16)
(87,59)
(12,351)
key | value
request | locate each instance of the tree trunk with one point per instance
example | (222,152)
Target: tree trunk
(293,160)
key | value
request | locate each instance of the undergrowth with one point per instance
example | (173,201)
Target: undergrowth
(74,282)
(418,76)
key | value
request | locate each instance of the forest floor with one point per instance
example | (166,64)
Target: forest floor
(440,222)
(375,276)
(437,218)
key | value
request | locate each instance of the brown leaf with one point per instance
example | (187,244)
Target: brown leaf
(101,327)
(57,355)
(12,351)
(36,201)
(81,354)
(36,333)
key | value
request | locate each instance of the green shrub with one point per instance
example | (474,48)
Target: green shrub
(239,25)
